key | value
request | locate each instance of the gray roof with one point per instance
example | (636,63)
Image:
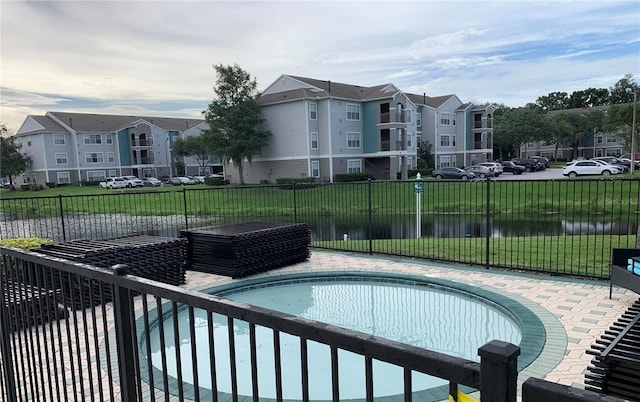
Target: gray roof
(326,89)
(49,124)
(432,101)
(112,123)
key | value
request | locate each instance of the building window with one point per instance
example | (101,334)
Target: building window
(409,142)
(111,157)
(314,140)
(315,168)
(599,139)
(109,138)
(61,159)
(419,119)
(58,139)
(453,140)
(353,140)
(445,161)
(353,112)
(112,173)
(354,166)
(445,119)
(453,116)
(444,141)
(613,151)
(63,177)
(95,176)
(313,111)
(612,140)
(398,134)
(28,143)
(409,163)
(94,157)
(92,139)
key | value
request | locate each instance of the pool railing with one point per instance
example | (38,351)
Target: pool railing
(71,331)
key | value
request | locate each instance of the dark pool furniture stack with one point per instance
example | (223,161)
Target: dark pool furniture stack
(615,367)
(158,258)
(242,249)
(623,269)
(30,305)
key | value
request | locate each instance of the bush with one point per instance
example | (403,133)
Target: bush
(349,177)
(25,243)
(51,184)
(91,183)
(414,172)
(299,182)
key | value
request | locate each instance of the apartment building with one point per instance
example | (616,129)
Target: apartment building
(78,147)
(320,129)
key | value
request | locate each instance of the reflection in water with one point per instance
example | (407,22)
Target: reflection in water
(427,317)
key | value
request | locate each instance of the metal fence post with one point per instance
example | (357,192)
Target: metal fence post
(295,204)
(186,215)
(5,341)
(370,236)
(487,223)
(122,308)
(498,371)
(64,232)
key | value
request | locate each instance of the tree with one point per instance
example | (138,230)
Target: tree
(620,91)
(588,98)
(233,118)
(619,119)
(553,101)
(12,161)
(514,127)
(559,131)
(582,124)
(195,147)
(426,159)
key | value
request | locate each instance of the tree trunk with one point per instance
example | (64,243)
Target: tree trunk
(241,173)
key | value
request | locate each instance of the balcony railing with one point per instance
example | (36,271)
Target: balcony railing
(395,117)
(142,142)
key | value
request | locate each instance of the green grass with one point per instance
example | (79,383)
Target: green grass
(587,256)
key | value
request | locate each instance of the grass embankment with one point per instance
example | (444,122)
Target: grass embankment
(568,198)
(586,255)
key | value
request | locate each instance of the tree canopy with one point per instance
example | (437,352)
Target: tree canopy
(233,117)
(195,147)
(12,161)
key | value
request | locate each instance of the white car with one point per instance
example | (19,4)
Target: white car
(133,181)
(589,167)
(113,182)
(181,181)
(497,167)
(198,179)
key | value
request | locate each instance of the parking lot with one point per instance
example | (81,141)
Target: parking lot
(547,174)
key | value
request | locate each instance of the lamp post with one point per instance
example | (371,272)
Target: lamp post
(633,132)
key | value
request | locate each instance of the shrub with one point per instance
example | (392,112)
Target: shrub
(349,177)
(426,172)
(51,184)
(89,183)
(25,243)
(299,182)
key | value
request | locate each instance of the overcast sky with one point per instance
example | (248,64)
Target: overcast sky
(155,57)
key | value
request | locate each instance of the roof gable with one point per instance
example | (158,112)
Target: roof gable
(113,123)
(34,124)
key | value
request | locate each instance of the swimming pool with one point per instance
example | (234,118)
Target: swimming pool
(438,315)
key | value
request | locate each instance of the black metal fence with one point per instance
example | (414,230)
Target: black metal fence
(74,332)
(559,226)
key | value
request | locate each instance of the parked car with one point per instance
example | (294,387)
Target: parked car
(198,179)
(544,162)
(113,182)
(612,160)
(508,166)
(181,181)
(481,171)
(531,165)
(151,182)
(588,167)
(133,181)
(497,167)
(452,173)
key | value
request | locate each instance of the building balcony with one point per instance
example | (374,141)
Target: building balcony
(142,142)
(395,117)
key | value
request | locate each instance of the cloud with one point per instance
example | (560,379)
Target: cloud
(148,55)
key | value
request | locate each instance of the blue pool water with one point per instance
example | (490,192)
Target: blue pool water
(432,317)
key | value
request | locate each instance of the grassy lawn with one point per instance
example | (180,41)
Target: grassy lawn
(542,198)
